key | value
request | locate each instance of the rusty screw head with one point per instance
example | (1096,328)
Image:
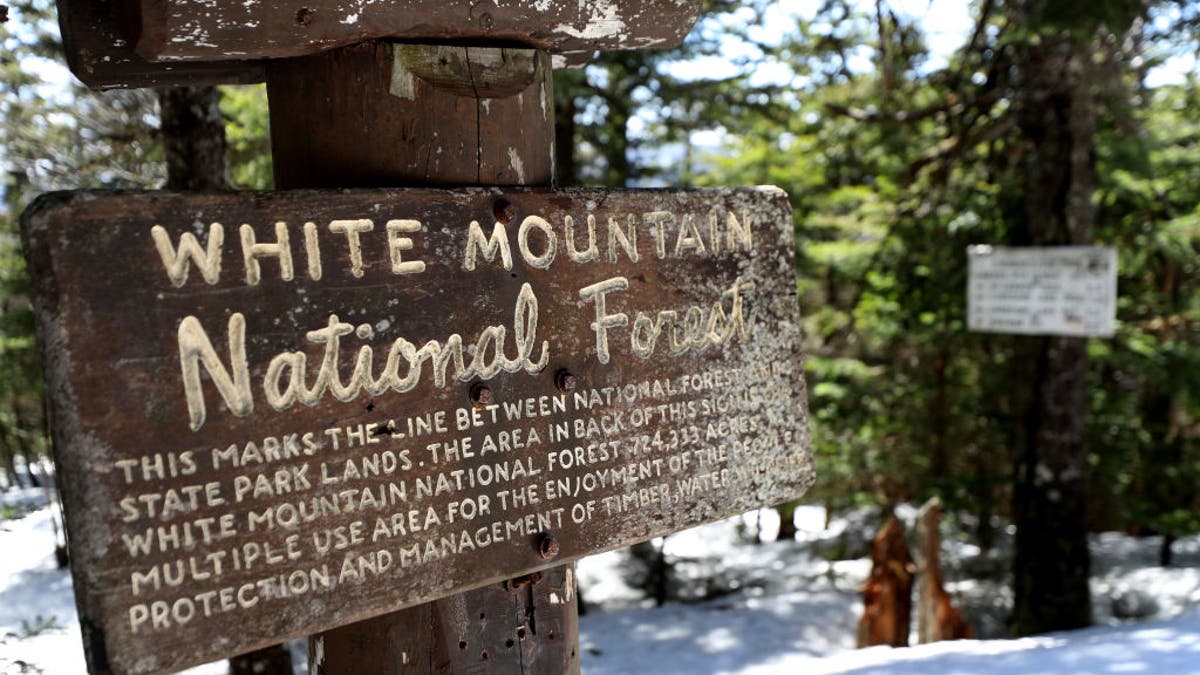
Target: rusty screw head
(305,16)
(565,381)
(504,211)
(511,585)
(548,546)
(481,395)
(487,21)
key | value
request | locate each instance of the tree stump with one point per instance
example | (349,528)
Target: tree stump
(937,618)
(887,593)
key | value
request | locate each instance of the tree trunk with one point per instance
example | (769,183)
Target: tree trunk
(7,457)
(1056,121)
(273,660)
(940,421)
(655,577)
(787,522)
(566,171)
(24,433)
(193,134)
(1165,557)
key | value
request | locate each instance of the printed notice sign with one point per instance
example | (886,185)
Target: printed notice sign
(1064,290)
(269,412)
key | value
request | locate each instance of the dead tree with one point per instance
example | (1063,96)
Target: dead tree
(937,618)
(887,593)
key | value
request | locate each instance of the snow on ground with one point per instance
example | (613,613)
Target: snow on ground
(37,608)
(750,609)
(796,611)
(39,629)
(1171,646)
(774,600)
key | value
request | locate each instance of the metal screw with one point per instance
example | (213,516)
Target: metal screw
(481,395)
(504,211)
(565,381)
(305,16)
(548,546)
(487,21)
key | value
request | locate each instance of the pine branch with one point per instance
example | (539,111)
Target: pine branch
(954,146)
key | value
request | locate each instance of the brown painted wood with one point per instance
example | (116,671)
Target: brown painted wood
(378,114)
(652,445)
(183,30)
(153,43)
(527,625)
(101,54)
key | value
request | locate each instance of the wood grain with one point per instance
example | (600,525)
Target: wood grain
(380,114)
(153,43)
(101,53)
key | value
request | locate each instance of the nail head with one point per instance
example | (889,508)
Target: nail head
(481,395)
(548,547)
(565,381)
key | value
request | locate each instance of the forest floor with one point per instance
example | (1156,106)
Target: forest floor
(734,606)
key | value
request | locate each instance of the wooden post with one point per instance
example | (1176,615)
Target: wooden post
(380,114)
(389,115)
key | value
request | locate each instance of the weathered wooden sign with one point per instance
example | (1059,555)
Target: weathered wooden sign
(1060,290)
(134,43)
(276,413)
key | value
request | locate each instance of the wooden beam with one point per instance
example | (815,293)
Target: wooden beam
(185,30)
(385,114)
(101,54)
(153,43)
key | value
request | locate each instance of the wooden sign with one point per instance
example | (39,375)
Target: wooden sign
(135,43)
(1060,290)
(276,413)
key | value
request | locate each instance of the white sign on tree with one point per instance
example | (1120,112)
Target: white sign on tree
(1061,290)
